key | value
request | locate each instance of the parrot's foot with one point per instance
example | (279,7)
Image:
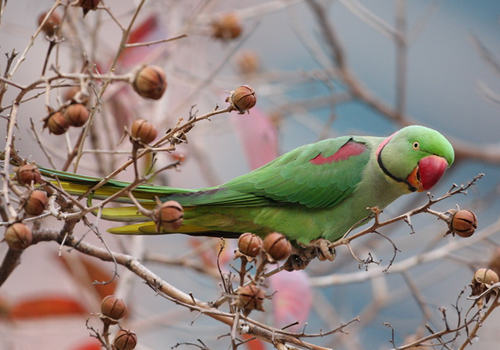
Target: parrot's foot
(302,255)
(323,251)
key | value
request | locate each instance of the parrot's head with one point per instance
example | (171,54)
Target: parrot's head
(415,155)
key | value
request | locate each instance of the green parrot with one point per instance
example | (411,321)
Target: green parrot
(320,190)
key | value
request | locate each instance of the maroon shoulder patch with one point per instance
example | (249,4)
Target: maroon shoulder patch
(350,149)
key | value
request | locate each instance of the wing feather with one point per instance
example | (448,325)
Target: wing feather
(293,179)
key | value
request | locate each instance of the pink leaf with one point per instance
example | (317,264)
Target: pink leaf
(259,137)
(293,298)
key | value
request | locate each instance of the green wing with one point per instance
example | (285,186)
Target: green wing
(292,179)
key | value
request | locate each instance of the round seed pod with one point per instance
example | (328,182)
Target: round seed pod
(36,203)
(485,276)
(18,236)
(57,123)
(113,308)
(250,297)
(144,131)
(27,174)
(277,246)
(463,223)
(51,25)
(125,340)
(243,98)
(227,27)
(249,244)
(169,215)
(76,114)
(150,82)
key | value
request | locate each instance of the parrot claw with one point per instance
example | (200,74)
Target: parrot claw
(323,250)
(303,254)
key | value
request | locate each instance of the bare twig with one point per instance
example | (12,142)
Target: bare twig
(155,42)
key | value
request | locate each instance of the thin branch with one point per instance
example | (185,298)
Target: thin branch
(155,42)
(408,263)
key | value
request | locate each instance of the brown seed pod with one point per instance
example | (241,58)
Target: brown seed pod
(56,123)
(76,114)
(18,236)
(144,131)
(169,215)
(227,27)
(243,98)
(113,308)
(485,276)
(249,244)
(88,5)
(463,223)
(125,340)
(277,246)
(27,174)
(250,297)
(248,62)
(36,203)
(150,82)
(51,25)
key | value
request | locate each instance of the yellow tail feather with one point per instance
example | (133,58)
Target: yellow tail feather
(149,228)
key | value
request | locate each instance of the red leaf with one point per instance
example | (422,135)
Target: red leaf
(293,298)
(92,344)
(148,30)
(254,344)
(259,137)
(144,29)
(46,307)
(94,272)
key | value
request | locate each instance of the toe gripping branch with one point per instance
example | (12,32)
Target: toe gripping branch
(303,254)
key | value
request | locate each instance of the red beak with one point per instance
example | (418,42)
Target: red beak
(429,170)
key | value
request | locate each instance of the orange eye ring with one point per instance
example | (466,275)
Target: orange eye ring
(416,146)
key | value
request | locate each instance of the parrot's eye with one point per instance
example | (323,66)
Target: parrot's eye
(416,146)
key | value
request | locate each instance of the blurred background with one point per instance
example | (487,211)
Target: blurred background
(434,63)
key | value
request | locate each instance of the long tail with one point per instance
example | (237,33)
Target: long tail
(207,212)
(80,185)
